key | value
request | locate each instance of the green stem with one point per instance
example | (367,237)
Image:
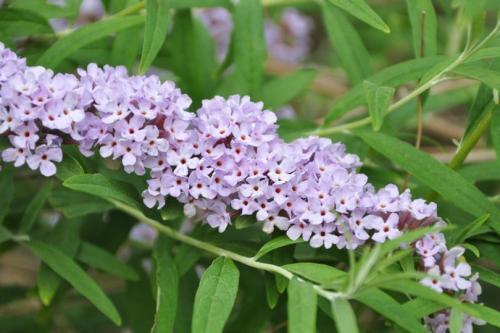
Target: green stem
(472,138)
(131,9)
(419,90)
(248,261)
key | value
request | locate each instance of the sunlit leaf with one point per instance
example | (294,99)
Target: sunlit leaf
(302,307)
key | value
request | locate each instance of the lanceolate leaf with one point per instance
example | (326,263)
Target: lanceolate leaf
(34,208)
(418,11)
(249,47)
(481,73)
(384,304)
(349,47)
(98,185)
(319,273)
(378,99)
(100,258)
(19,22)
(485,170)
(167,285)
(302,307)
(487,275)
(281,90)
(495,130)
(274,244)
(361,10)
(84,36)
(155,31)
(7,186)
(447,182)
(71,272)
(215,296)
(345,319)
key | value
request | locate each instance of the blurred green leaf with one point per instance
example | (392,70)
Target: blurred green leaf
(100,258)
(183,4)
(186,257)
(20,23)
(349,47)
(167,284)
(69,167)
(460,235)
(378,99)
(192,56)
(84,35)
(5,234)
(274,244)
(319,273)
(76,204)
(495,131)
(456,321)
(302,307)
(447,182)
(64,236)
(34,208)
(249,48)
(98,185)
(7,186)
(71,272)
(279,91)
(385,305)
(272,294)
(43,7)
(481,73)
(126,47)
(215,296)
(487,275)
(361,10)
(155,31)
(345,319)
(418,11)
(482,171)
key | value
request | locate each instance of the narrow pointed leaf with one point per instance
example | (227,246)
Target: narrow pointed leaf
(274,244)
(155,31)
(361,10)
(85,35)
(34,208)
(281,90)
(345,319)
(167,285)
(418,10)
(302,307)
(7,186)
(378,99)
(77,277)
(215,296)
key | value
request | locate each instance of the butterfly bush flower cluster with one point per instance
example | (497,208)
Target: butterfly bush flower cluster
(288,40)
(223,161)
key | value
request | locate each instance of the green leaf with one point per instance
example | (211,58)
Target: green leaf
(281,90)
(345,319)
(462,234)
(155,31)
(186,257)
(41,7)
(456,321)
(85,35)
(378,99)
(71,272)
(98,185)
(34,208)
(361,10)
(482,171)
(192,56)
(481,73)
(69,167)
(420,307)
(64,236)
(126,48)
(349,47)
(5,234)
(419,10)
(7,186)
(391,76)
(215,296)
(487,275)
(319,273)
(100,258)
(407,237)
(167,285)
(249,48)
(302,307)
(74,204)
(447,182)
(20,22)
(272,294)
(183,4)
(385,305)
(495,131)
(274,244)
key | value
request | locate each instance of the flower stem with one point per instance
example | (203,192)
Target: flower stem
(248,261)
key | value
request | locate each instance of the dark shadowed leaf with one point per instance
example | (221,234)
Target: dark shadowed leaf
(34,208)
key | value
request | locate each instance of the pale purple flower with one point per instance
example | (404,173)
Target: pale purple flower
(43,159)
(386,229)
